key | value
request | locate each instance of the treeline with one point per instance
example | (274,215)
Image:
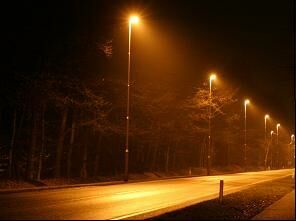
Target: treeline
(63,106)
(61,126)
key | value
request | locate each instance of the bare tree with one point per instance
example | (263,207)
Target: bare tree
(41,152)
(12,143)
(198,105)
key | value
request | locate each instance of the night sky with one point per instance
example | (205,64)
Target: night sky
(248,43)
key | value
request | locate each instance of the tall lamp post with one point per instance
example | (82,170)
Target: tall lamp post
(212,77)
(293,158)
(292,138)
(265,139)
(292,151)
(132,20)
(271,160)
(277,133)
(245,145)
(265,120)
(277,144)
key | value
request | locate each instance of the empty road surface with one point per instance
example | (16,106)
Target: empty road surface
(125,200)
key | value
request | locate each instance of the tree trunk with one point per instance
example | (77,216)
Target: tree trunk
(83,170)
(96,166)
(60,145)
(203,152)
(18,134)
(228,152)
(146,156)
(138,156)
(167,159)
(266,156)
(143,153)
(41,153)
(31,158)
(12,141)
(154,156)
(155,151)
(69,155)
(174,155)
(200,164)
(84,163)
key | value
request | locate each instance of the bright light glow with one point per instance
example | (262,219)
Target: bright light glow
(266,116)
(247,101)
(271,132)
(292,137)
(277,126)
(134,19)
(213,77)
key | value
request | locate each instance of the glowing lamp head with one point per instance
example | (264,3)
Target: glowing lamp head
(271,132)
(213,77)
(266,116)
(292,137)
(247,101)
(277,126)
(134,19)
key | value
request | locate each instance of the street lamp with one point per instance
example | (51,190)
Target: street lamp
(293,148)
(265,140)
(132,20)
(245,145)
(277,143)
(277,133)
(265,119)
(292,143)
(212,78)
(271,133)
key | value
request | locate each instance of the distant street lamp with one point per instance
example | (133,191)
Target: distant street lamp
(292,143)
(277,133)
(277,150)
(245,145)
(271,133)
(212,77)
(265,140)
(132,20)
(265,119)
(293,147)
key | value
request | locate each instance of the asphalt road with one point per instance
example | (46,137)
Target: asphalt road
(143,199)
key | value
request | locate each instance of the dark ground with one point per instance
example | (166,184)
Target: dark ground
(242,205)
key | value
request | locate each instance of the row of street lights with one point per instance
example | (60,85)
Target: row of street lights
(246,102)
(134,20)
(278,125)
(271,133)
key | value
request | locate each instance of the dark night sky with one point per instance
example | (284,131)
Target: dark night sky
(251,43)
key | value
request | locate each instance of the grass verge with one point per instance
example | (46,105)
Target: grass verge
(242,205)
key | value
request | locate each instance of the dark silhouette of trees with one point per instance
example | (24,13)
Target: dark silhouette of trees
(63,105)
